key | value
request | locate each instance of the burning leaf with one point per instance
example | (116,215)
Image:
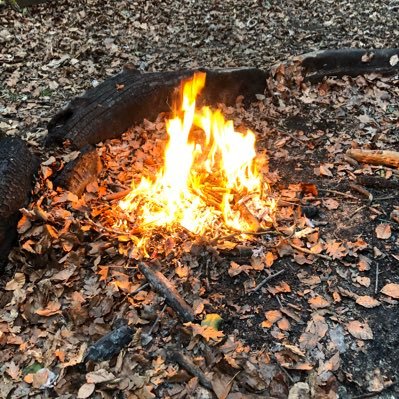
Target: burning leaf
(391,290)
(359,330)
(383,231)
(209,173)
(367,301)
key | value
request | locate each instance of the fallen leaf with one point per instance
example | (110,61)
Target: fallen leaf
(318,302)
(325,171)
(212,320)
(335,249)
(331,204)
(359,330)
(383,231)
(99,376)
(221,385)
(51,309)
(16,283)
(391,290)
(85,391)
(367,301)
(394,60)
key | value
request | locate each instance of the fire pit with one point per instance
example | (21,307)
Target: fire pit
(238,250)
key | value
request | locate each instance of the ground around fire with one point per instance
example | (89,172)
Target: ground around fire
(326,325)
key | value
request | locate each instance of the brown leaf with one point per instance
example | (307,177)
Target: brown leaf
(391,290)
(99,376)
(359,330)
(51,309)
(383,231)
(221,385)
(367,301)
(85,391)
(331,203)
(335,249)
(318,302)
(16,283)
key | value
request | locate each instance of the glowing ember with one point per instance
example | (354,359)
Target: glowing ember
(210,175)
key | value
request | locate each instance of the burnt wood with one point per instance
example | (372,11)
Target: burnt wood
(347,61)
(125,99)
(164,287)
(78,173)
(17,167)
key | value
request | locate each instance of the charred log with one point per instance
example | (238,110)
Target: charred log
(123,100)
(17,166)
(78,173)
(351,62)
(110,345)
(378,182)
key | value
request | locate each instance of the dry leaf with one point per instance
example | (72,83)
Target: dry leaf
(51,309)
(359,330)
(383,231)
(367,301)
(331,204)
(318,302)
(85,391)
(391,290)
(16,283)
(99,376)
(325,171)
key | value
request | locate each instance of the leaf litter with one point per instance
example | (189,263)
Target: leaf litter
(311,325)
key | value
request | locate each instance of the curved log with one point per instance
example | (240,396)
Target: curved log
(125,99)
(350,62)
(17,166)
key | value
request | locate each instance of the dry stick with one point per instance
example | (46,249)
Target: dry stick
(308,251)
(265,280)
(375,157)
(115,196)
(357,210)
(377,272)
(324,190)
(362,191)
(163,286)
(188,365)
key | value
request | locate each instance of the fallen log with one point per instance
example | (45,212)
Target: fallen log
(349,62)
(17,167)
(375,157)
(125,99)
(165,288)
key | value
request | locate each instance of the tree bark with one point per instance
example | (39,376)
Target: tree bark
(17,166)
(124,100)
(375,157)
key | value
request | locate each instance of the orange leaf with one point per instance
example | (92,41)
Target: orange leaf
(359,330)
(318,302)
(383,231)
(51,309)
(367,301)
(391,290)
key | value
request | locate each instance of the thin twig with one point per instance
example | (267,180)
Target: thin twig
(357,210)
(377,272)
(160,314)
(362,191)
(324,190)
(265,280)
(115,196)
(308,251)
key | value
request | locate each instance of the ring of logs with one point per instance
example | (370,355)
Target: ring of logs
(125,99)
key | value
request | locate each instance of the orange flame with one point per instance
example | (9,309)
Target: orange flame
(209,174)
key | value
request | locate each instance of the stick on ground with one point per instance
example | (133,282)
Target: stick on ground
(375,157)
(164,287)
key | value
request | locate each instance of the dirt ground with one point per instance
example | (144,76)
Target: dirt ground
(328,321)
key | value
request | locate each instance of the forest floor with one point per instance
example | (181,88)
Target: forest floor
(325,327)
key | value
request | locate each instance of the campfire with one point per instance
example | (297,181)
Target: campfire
(211,175)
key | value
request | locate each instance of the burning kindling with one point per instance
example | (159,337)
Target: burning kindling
(211,175)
